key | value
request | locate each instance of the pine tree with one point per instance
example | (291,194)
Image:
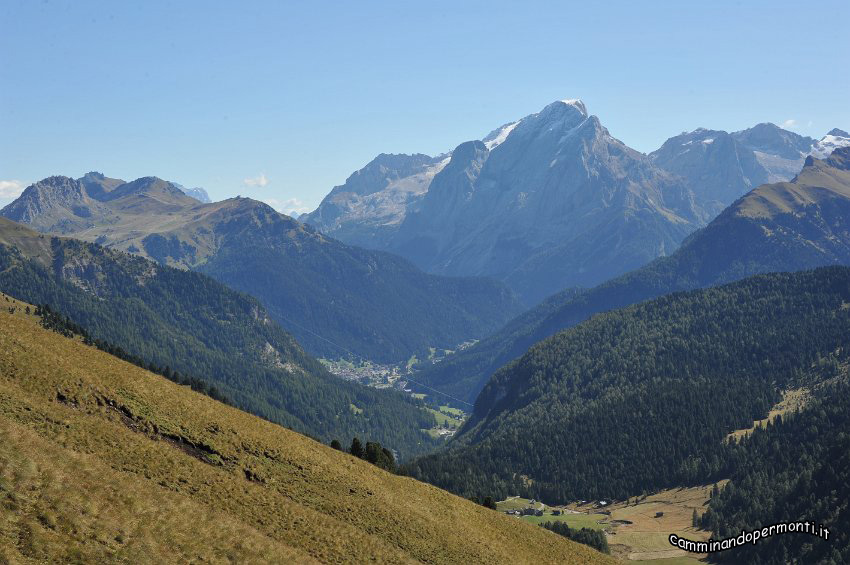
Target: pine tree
(356,448)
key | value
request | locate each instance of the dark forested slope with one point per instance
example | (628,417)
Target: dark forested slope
(641,398)
(337,298)
(797,469)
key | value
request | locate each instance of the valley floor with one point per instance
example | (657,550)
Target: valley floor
(382,376)
(637,529)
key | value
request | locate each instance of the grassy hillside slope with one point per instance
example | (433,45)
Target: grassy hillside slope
(103,461)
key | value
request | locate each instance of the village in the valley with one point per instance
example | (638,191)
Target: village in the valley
(399,376)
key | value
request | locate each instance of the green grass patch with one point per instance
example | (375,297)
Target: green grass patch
(514,504)
(443,419)
(452,411)
(576,521)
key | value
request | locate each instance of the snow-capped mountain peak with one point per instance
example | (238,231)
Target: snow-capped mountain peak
(830,142)
(575,102)
(497,137)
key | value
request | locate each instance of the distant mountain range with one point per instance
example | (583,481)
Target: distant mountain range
(338,300)
(788,226)
(720,167)
(544,203)
(553,200)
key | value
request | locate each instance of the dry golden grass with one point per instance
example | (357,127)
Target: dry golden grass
(646,538)
(812,185)
(31,243)
(103,461)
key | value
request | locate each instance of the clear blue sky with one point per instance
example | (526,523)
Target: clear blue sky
(303,93)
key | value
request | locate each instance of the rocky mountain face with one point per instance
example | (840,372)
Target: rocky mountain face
(338,300)
(788,226)
(547,202)
(553,201)
(374,200)
(59,205)
(64,205)
(558,203)
(720,167)
(780,152)
(717,166)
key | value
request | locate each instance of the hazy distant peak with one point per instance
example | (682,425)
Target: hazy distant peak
(383,170)
(838,132)
(197,193)
(700,134)
(395,161)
